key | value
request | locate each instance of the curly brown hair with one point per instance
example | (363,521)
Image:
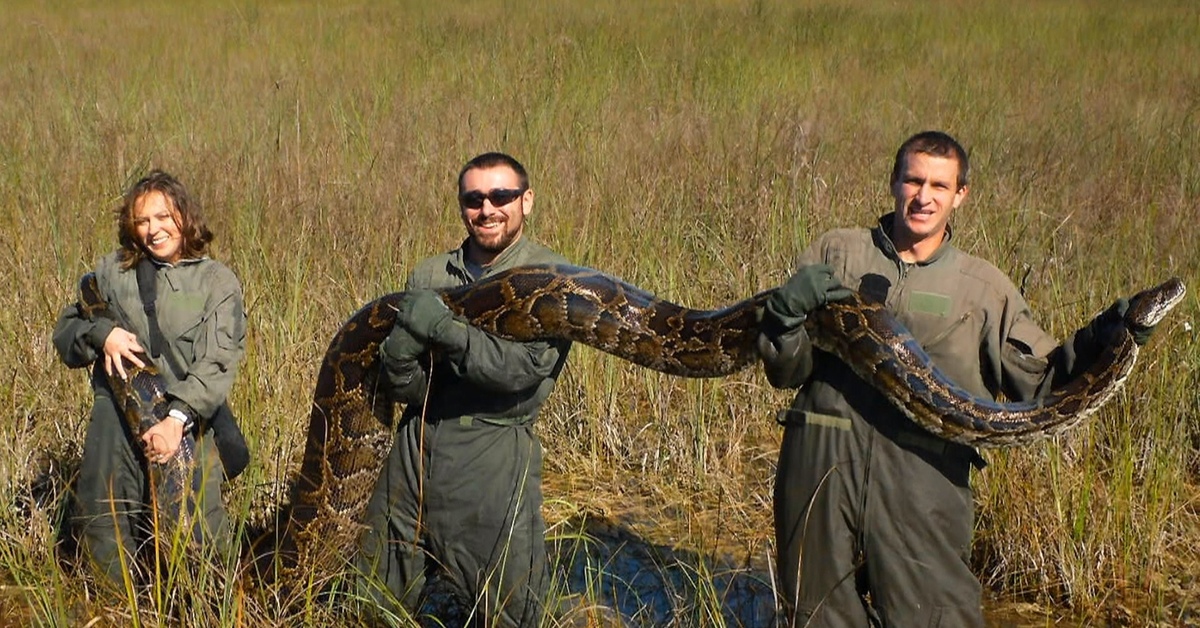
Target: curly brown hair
(192,228)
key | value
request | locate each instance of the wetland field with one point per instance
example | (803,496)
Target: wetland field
(690,148)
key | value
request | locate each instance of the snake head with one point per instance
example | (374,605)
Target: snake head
(1148,307)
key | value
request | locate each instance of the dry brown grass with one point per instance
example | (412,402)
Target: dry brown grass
(690,149)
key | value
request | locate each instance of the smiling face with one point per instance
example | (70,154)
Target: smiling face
(493,228)
(927,192)
(156,225)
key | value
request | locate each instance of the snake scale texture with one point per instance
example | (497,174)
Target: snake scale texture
(351,423)
(142,400)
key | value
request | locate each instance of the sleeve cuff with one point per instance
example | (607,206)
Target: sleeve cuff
(452,334)
(99,332)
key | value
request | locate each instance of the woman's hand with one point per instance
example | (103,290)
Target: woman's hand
(161,442)
(121,344)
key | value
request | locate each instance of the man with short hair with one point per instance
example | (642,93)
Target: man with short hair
(463,482)
(873,515)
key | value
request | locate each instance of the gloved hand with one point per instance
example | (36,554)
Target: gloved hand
(401,346)
(424,315)
(402,367)
(811,287)
(1112,320)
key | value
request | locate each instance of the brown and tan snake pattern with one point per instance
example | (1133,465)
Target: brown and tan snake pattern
(142,400)
(882,352)
(351,423)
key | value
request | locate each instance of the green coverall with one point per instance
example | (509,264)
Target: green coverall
(866,502)
(203,323)
(467,462)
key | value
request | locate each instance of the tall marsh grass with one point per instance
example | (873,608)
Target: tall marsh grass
(690,148)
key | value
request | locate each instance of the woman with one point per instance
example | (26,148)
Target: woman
(200,341)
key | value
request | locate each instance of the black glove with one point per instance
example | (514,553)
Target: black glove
(401,346)
(402,367)
(811,287)
(424,315)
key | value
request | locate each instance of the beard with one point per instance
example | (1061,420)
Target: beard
(495,242)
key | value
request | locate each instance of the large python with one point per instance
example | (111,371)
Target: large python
(351,422)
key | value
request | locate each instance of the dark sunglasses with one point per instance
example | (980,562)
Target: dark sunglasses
(498,196)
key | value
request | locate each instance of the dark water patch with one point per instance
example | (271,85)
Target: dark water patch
(606,574)
(651,584)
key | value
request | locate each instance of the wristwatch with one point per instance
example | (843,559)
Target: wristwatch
(182,417)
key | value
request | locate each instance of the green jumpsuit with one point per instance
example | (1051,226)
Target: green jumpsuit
(462,487)
(201,316)
(866,502)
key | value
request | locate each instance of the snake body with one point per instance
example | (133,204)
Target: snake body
(882,352)
(142,399)
(350,426)
(351,422)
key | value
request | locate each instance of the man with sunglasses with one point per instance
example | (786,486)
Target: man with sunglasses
(462,487)
(873,515)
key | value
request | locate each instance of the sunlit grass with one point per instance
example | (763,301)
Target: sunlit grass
(691,148)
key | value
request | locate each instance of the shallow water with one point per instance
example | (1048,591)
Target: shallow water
(613,576)
(610,576)
(650,584)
